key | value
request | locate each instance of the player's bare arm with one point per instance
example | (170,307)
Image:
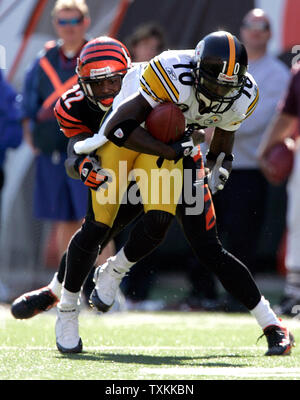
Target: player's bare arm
(222,142)
(219,159)
(128,118)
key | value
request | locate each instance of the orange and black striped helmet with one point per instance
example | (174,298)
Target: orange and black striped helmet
(101,58)
(220,65)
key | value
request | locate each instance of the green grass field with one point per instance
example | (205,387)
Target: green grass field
(144,346)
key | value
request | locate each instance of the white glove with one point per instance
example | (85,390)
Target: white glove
(218,175)
(88,145)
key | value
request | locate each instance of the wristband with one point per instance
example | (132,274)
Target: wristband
(78,162)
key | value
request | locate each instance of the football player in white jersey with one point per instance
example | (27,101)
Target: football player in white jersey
(214,92)
(212,88)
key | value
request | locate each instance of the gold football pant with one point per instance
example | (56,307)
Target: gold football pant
(160,188)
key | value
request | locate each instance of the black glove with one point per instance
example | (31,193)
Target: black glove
(91,173)
(182,147)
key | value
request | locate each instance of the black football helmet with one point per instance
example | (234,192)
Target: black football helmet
(220,65)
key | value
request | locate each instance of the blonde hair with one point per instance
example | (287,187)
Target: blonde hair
(80,5)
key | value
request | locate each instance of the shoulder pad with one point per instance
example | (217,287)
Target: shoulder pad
(162,79)
(68,118)
(130,84)
(253,95)
(244,106)
(247,102)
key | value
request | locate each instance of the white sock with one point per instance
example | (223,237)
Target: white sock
(122,264)
(264,315)
(69,299)
(55,286)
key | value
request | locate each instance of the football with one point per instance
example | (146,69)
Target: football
(166,122)
(279,161)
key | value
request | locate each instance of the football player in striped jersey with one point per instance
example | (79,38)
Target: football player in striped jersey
(79,112)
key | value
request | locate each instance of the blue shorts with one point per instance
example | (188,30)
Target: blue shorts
(57,196)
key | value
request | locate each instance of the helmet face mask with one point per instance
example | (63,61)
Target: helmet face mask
(101,66)
(94,89)
(219,72)
(220,96)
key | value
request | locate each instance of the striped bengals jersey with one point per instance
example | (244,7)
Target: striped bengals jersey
(75,114)
(168,77)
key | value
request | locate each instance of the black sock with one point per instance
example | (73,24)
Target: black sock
(237,280)
(79,264)
(62,268)
(82,253)
(232,273)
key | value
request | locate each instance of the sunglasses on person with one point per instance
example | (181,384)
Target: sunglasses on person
(70,21)
(257,25)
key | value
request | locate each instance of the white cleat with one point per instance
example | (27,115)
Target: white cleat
(107,281)
(67,330)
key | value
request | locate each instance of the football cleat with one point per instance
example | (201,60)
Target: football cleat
(32,303)
(107,281)
(67,331)
(280,340)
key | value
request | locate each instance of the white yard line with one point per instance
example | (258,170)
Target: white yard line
(143,348)
(168,318)
(279,372)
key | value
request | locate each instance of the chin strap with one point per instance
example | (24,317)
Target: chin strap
(102,107)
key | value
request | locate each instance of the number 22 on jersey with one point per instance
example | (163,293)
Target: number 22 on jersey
(78,95)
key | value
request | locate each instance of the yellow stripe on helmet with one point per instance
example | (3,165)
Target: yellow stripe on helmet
(231,61)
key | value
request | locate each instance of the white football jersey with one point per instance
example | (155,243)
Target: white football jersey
(168,78)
